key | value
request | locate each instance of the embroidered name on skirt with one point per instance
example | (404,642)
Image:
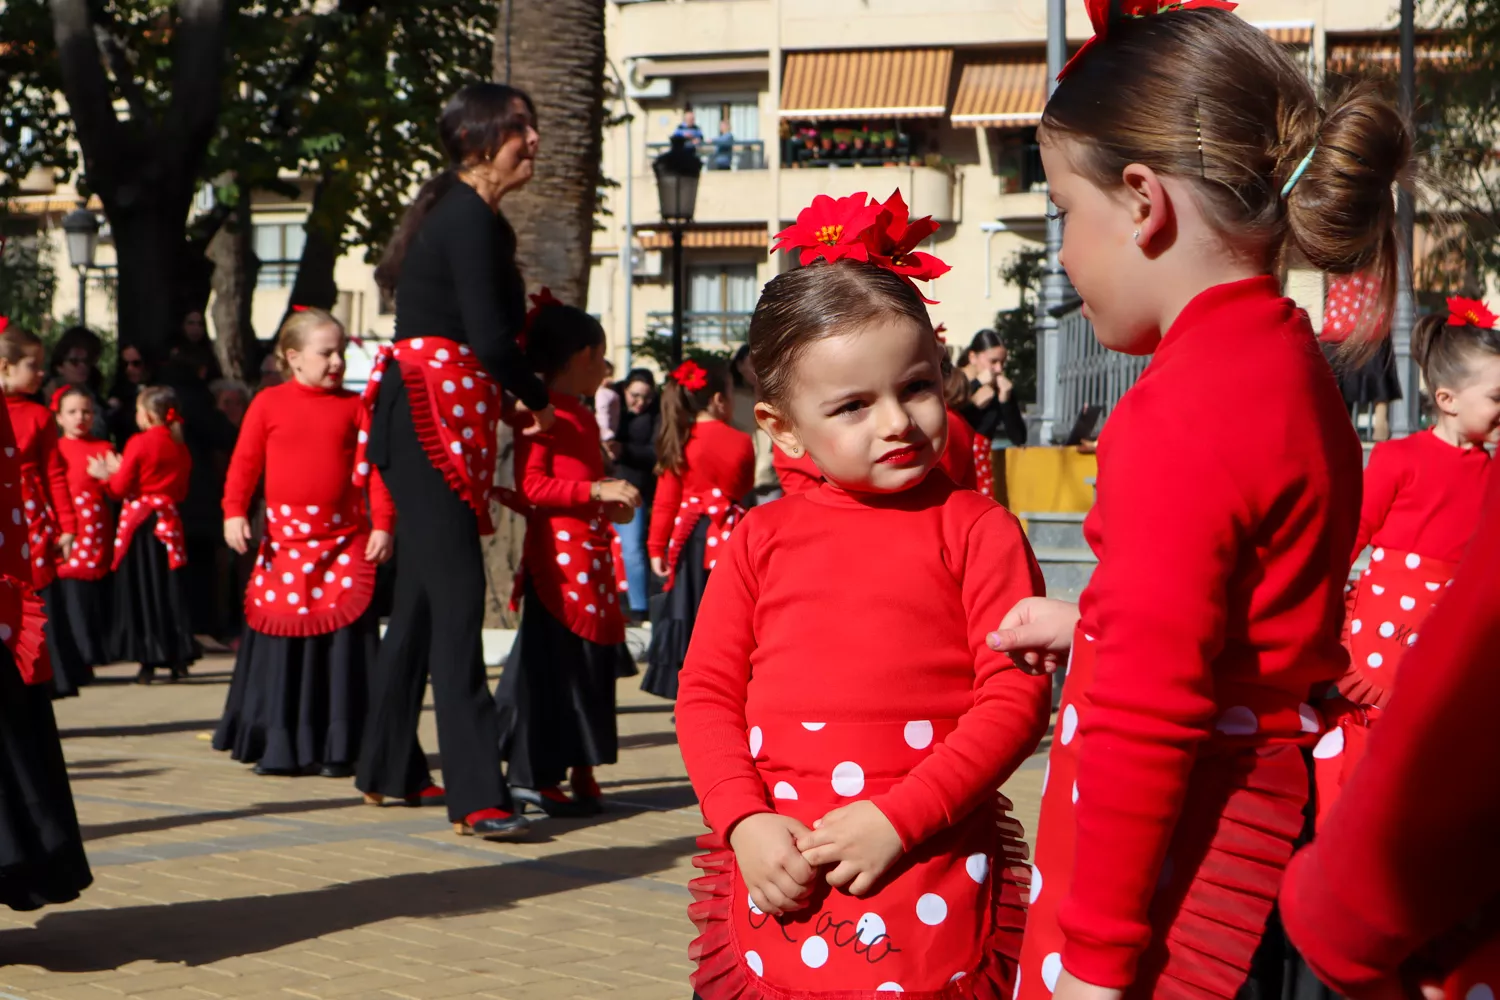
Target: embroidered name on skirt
(22,615)
(168,527)
(311,575)
(454,408)
(41,528)
(722,516)
(93,546)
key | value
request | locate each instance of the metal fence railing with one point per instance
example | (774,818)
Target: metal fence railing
(1088,373)
(747,155)
(713,330)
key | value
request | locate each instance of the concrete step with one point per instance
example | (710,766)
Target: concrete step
(1066,569)
(1060,531)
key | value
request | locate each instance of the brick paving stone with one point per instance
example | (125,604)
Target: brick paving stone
(213,883)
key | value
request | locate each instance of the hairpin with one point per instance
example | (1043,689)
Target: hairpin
(1101,14)
(1470,312)
(690,375)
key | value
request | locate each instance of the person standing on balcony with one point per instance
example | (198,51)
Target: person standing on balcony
(723,158)
(992,409)
(460,302)
(688,130)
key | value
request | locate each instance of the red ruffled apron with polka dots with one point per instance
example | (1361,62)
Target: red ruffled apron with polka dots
(722,516)
(455,405)
(575,572)
(1241,816)
(944,923)
(311,574)
(93,546)
(22,615)
(168,528)
(41,528)
(984,465)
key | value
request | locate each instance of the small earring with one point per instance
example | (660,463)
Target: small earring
(1136,236)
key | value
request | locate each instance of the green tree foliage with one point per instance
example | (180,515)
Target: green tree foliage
(27,283)
(1017,327)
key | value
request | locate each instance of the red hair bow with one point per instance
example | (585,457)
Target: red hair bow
(4,322)
(173,417)
(539,301)
(938,332)
(299,309)
(57,396)
(690,375)
(1102,12)
(1470,312)
(861,229)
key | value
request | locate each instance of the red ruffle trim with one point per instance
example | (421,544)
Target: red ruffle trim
(723,975)
(1358,687)
(1237,843)
(29,648)
(341,615)
(432,443)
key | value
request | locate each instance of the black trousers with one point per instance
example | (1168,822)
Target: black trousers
(434,627)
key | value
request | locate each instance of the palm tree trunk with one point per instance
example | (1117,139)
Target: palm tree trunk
(553,50)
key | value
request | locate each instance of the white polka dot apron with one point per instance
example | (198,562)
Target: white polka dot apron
(722,516)
(945,921)
(311,574)
(1478,976)
(1386,610)
(1242,814)
(93,546)
(454,408)
(41,528)
(168,528)
(984,465)
(575,573)
(22,616)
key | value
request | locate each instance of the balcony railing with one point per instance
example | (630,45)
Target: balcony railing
(747,155)
(705,329)
(1020,168)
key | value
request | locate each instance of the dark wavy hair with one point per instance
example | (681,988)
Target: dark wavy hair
(475,123)
(557,334)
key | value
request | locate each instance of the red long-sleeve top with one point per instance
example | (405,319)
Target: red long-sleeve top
(153,462)
(36,445)
(1422,495)
(76,453)
(797,475)
(1408,851)
(1222,564)
(718,457)
(937,567)
(303,439)
(958,455)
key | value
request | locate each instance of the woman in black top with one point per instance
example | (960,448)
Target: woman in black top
(452,267)
(635,462)
(992,409)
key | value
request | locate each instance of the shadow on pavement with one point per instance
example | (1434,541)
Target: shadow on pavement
(643,741)
(665,708)
(199,933)
(144,772)
(157,823)
(144,729)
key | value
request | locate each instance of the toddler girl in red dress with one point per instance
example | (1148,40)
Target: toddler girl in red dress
(843,723)
(1188,157)
(79,605)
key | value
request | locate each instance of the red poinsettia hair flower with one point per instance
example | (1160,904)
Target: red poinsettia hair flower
(539,301)
(1470,312)
(893,242)
(831,229)
(1101,13)
(690,375)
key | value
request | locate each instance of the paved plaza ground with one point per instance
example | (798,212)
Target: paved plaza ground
(212,882)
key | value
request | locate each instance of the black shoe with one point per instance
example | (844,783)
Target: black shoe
(511,826)
(273,772)
(336,771)
(564,808)
(145,675)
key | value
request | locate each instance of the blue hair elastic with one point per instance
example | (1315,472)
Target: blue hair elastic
(1297,174)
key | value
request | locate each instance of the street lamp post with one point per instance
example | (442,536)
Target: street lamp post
(677,173)
(82,229)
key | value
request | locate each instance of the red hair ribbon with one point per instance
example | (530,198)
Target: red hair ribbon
(4,322)
(539,301)
(1470,312)
(299,309)
(172,417)
(1103,12)
(690,375)
(859,228)
(57,397)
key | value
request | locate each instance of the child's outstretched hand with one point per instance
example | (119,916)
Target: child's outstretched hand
(1037,633)
(858,840)
(104,466)
(379,548)
(765,848)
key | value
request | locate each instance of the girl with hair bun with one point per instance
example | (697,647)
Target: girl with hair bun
(556,698)
(79,608)
(1189,157)
(151,624)
(704,467)
(297,700)
(844,726)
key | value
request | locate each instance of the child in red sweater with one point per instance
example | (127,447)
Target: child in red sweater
(1178,776)
(1422,500)
(79,608)
(703,467)
(556,698)
(49,519)
(296,703)
(844,725)
(151,624)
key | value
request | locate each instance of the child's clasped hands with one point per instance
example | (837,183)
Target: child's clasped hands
(780,858)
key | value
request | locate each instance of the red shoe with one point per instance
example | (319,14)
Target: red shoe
(586,790)
(492,824)
(551,801)
(432,795)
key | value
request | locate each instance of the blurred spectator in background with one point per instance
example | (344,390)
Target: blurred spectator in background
(689,129)
(75,361)
(723,158)
(607,411)
(635,462)
(993,410)
(130,376)
(232,398)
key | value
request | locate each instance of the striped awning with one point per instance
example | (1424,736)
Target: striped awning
(1002,91)
(718,237)
(1380,54)
(1288,32)
(867,83)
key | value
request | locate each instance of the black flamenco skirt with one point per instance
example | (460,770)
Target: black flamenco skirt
(77,620)
(298,702)
(672,616)
(41,848)
(152,625)
(1375,381)
(556,700)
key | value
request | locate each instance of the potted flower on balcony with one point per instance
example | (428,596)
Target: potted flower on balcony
(1010,178)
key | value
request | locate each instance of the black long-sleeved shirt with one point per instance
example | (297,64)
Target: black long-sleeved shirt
(459,280)
(637,439)
(996,417)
